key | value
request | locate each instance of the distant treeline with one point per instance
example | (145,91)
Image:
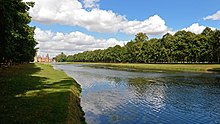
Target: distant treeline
(17,43)
(182,47)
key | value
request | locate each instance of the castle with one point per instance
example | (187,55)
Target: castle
(43,59)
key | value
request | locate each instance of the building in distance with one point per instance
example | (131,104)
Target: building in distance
(46,59)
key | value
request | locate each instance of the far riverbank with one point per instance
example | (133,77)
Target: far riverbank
(147,67)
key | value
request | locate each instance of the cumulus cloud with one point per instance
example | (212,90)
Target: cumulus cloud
(196,28)
(71,12)
(91,3)
(54,43)
(153,26)
(215,16)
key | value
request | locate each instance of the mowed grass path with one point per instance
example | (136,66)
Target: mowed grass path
(167,67)
(36,93)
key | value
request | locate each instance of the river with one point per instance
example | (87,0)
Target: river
(126,97)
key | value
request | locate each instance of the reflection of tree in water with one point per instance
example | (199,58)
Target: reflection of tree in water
(150,91)
(141,85)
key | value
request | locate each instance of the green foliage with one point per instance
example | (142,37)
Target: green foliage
(141,37)
(17,43)
(61,57)
(182,47)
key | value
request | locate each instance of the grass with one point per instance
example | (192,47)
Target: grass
(167,67)
(36,93)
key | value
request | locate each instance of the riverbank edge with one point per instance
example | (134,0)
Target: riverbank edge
(153,67)
(75,114)
(39,93)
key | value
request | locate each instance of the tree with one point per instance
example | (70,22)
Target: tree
(134,48)
(181,47)
(141,37)
(61,57)
(17,43)
(216,46)
(168,41)
(207,32)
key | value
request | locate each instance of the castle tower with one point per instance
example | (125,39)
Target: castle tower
(47,59)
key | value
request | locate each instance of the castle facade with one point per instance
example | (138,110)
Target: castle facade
(43,59)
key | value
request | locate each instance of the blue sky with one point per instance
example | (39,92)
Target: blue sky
(111,22)
(177,14)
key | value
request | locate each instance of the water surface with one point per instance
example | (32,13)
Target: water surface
(123,97)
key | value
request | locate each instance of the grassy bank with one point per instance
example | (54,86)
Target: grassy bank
(36,93)
(168,67)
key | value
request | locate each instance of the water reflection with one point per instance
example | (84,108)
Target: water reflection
(152,91)
(113,97)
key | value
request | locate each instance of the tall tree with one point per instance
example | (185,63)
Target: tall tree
(216,45)
(141,37)
(17,43)
(181,47)
(61,57)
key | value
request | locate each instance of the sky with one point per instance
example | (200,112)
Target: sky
(73,26)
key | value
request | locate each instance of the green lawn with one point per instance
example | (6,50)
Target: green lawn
(168,67)
(36,93)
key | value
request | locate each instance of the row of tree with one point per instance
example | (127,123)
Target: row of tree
(17,43)
(182,47)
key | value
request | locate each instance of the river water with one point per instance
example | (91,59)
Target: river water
(123,97)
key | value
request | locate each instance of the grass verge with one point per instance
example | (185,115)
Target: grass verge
(165,67)
(36,93)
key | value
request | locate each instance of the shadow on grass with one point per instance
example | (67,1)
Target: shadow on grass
(215,70)
(28,99)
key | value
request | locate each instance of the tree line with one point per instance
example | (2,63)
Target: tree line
(17,43)
(182,47)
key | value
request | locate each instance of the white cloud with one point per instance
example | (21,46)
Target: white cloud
(71,12)
(74,42)
(153,26)
(91,3)
(215,16)
(196,28)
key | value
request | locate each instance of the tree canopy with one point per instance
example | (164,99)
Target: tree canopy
(17,43)
(61,57)
(182,47)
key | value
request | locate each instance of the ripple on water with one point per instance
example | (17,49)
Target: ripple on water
(113,97)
